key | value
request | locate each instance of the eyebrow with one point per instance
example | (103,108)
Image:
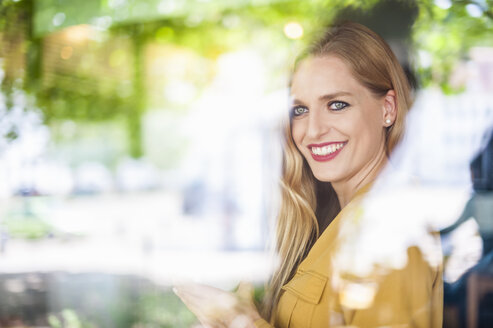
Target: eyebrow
(334,95)
(326,97)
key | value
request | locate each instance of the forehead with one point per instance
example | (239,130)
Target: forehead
(322,75)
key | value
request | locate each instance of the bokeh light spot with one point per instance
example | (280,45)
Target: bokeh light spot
(58,19)
(444,4)
(293,30)
(167,7)
(78,33)
(474,10)
(165,33)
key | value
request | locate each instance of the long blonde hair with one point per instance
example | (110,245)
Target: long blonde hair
(307,203)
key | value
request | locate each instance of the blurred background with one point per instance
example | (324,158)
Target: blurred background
(140,146)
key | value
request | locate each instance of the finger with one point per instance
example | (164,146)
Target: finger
(212,309)
(200,289)
(184,299)
(207,323)
(241,321)
(190,300)
(212,306)
(204,316)
(206,295)
(245,291)
(194,304)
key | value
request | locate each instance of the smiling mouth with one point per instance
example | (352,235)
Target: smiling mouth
(327,151)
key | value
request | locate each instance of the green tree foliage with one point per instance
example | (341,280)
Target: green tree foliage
(444,34)
(102,76)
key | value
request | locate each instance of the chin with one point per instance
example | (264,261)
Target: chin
(324,177)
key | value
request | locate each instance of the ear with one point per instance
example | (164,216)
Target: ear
(389,108)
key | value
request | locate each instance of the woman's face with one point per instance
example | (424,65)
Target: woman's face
(337,123)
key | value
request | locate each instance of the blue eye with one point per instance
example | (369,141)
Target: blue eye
(338,105)
(299,110)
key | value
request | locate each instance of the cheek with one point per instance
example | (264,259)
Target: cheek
(371,135)
(370,124)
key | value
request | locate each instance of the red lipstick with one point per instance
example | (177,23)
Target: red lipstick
(328,156)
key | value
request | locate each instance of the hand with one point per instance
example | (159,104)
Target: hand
(216,308)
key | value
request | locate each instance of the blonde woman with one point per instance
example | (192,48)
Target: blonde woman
(350,97)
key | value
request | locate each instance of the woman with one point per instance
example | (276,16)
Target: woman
(350,99)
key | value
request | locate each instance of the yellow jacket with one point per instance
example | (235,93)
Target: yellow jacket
(319,296)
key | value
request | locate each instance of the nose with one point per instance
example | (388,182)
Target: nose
(317,125)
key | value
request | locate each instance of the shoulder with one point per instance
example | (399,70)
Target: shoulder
(389,227)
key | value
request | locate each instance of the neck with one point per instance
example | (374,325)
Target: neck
(347,188)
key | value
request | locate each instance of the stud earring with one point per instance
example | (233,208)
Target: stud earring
(388,121)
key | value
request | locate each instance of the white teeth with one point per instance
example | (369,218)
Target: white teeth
(329,149)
